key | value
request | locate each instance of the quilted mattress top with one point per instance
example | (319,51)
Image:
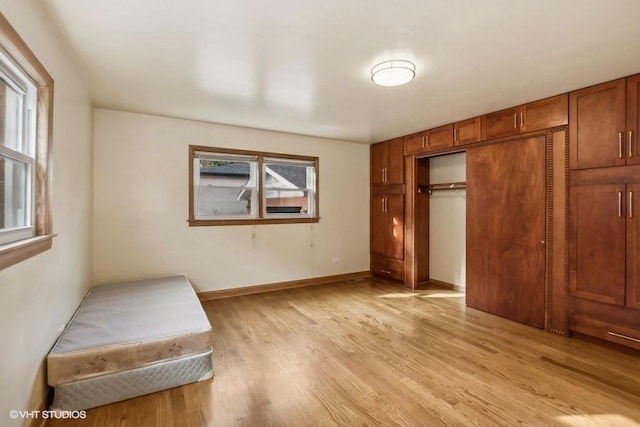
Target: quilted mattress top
(131,312)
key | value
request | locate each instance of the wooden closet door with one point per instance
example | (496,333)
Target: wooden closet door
(506,229)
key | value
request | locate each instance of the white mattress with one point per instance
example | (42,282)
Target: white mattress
(105,389)
(129,325)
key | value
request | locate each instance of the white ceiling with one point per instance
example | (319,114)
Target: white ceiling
(303,66)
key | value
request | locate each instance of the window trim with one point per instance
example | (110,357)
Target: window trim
(18,51)
(193,222)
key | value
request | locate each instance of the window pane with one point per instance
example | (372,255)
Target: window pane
(14,192)
(224,173)
(212,201)
(288,176)
(289,201)
(11,111)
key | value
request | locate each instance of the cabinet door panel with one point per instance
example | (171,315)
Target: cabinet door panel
(597,264)
(467,131)
(379,160)
(597,126)
(546,113)
(379,228)
(395,162)
(395,218)
(633,248)
(633,120)
(505,229)
(501,123)
(415,143)
(441,137)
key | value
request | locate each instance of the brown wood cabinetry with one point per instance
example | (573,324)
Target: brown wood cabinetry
(427,141)
(387,161)
(387,218)
(604,274)
(633,119)
(596,131)
(604,124)
(599,236)
(467,131)
(542,114)
(387,209)
(506,229)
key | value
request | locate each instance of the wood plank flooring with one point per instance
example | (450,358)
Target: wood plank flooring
(372,353)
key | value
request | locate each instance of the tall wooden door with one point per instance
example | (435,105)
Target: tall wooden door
(506,229)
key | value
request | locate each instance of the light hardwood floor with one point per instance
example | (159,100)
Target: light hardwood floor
(372,353)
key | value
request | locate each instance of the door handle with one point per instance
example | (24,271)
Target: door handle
(619,145)
(619,204)
(630,208)
(630,148)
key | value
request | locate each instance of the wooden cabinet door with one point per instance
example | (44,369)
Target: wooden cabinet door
(379,160)
(506,229)
(395,225)
(633,119)
(544,114)
(395,161)
(387,162)
(633,247)
(467,131)
(415,143)
(597,126)
(440,137)
(597,245)
(501,123)
(379,225)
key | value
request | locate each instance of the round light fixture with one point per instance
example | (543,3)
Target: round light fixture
(395,72)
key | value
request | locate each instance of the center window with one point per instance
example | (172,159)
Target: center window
(231,187)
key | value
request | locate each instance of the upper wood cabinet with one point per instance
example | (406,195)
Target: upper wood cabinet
(467,131)
(604,124)
(543,114)
(430,140)
(387,162)
(597,127)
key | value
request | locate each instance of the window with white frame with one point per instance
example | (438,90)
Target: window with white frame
(231,187)
(17,152)
(26,113)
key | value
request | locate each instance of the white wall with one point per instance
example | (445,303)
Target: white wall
(447,221)
(141,207)
(40,294)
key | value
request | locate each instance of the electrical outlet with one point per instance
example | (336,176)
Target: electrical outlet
(335,260)
(62,327)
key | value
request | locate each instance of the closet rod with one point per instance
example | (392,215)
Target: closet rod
(442,187)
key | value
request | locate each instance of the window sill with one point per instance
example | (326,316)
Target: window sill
(210,222)
(13,253)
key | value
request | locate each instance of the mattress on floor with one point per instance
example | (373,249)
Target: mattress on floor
(110,388)
(125,326)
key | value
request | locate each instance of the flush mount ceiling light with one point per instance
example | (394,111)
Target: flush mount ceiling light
(395,72)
